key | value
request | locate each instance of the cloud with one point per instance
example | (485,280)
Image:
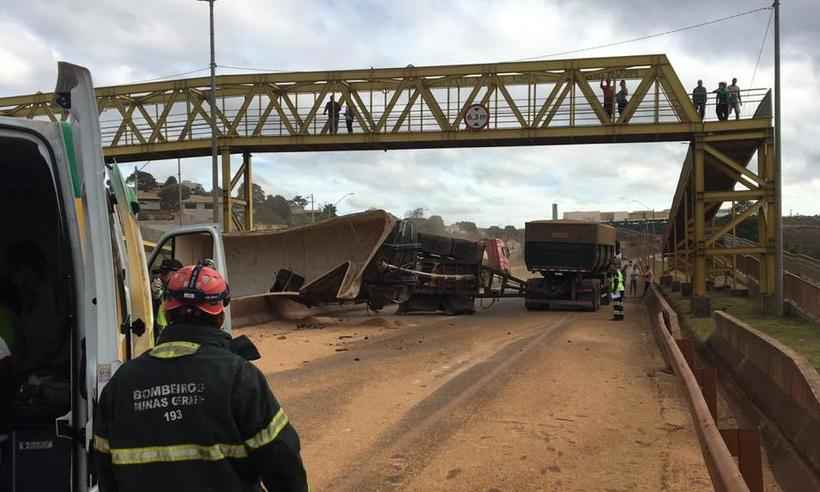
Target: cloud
(125,42)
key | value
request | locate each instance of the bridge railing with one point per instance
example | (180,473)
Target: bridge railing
(419,118)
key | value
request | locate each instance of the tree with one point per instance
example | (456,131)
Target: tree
(495,232)
(169,196)
(328,211)
(299,201)
(435,224)
(258,194)
(746,229)
(272,210)
(416,213)
(172,180)
(280,207)
(146,181)
(196,188)
(467,227)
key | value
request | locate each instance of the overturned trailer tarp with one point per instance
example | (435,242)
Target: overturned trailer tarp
(335,260)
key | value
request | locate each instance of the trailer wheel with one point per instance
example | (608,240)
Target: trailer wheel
(455,305)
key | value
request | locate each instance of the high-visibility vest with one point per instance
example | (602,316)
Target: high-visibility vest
(618,282)
(161,321)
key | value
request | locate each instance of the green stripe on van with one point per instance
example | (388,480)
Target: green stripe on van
(68,140)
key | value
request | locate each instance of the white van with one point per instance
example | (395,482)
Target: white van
(74,274)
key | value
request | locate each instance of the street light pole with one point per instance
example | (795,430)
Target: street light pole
(778,169)
(212,104)
(342,198)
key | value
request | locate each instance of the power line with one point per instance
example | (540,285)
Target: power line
(762,45)
(650,36)
(172,76)
(254,69)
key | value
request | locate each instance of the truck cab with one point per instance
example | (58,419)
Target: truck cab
(75,300)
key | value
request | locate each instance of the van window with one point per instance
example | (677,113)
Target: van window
(36,313)
(186,249)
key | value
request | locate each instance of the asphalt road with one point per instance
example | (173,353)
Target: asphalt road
(504,400)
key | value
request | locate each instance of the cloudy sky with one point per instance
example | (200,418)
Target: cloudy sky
(123,42)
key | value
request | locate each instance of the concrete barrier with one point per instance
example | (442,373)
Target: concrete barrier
(723,469)
(802,296)
(780,381)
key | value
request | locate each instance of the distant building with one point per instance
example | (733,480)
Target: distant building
(196,209)
(303,216)
(591,216)
(619,216)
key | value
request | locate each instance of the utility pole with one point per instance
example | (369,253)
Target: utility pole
(179,189)
(312,210)
(212,104)
(778,167)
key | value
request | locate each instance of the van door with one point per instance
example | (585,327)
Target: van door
(97,327)
(188,245)
(139,333)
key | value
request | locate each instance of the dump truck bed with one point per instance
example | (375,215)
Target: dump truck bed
(564,245)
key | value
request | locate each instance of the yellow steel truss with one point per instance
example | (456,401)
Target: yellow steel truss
(716,171)
(395,107)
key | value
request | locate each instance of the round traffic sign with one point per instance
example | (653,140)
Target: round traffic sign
(476,117)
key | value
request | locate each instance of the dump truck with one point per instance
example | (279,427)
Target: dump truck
(573,258)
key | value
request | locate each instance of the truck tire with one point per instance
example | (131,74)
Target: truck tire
(596,298)
(596,295)
(456,305)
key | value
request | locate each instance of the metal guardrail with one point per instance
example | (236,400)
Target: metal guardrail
(801,266)
(717,444)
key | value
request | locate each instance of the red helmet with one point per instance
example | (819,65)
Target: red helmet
(199,286)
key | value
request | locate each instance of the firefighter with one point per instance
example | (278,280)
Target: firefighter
(617,290)
(190,415)
(158,287)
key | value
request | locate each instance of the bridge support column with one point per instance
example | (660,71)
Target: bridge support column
(248,175)
(227,209)
(767,226)
(701,304)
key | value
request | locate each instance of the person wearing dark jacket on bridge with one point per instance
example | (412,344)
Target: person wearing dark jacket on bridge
(190,415)
(699,98)
(609,96)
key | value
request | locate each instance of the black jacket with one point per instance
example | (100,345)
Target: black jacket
(191,415)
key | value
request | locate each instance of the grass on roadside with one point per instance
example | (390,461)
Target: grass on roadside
(801,336)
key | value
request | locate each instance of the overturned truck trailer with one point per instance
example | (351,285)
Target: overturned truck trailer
(334,261)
